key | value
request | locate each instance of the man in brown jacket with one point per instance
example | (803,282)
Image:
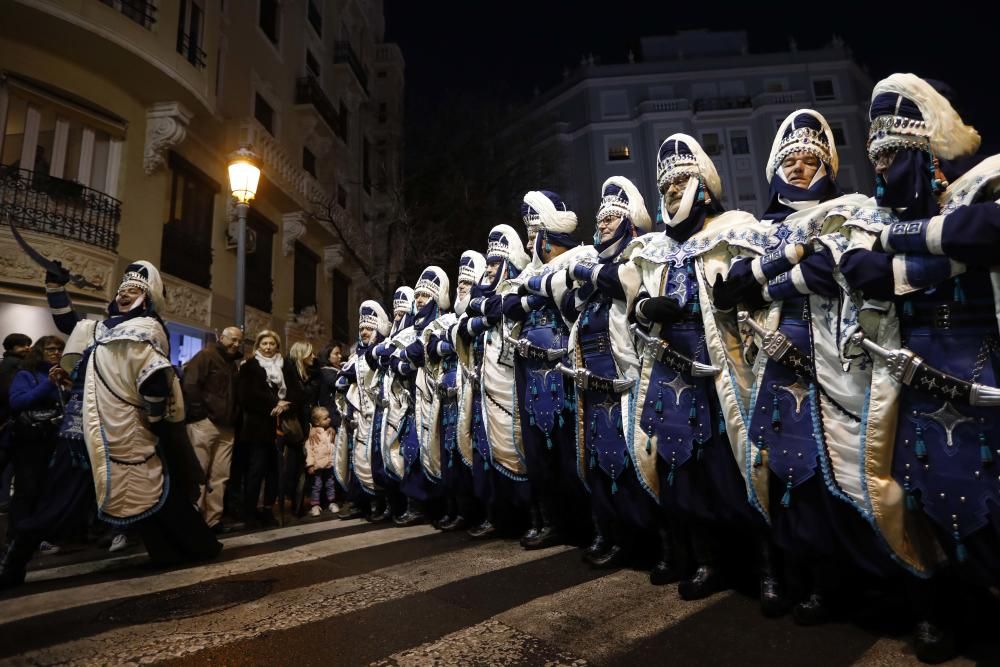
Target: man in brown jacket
(210,394)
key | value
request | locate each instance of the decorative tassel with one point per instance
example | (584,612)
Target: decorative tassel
(553,388)
(959,293)
(561,421)
(534,390)
(961,553)
(695,306)
(593,425)
(670,475)
(985,453)
(548,441)
(486,464)
(907,308)
(700,446)
(548,246)
(649,445)
(531,419)
(659,402)
(775,414)
(879,187)
(614,486)
(911,498)
(758,460)
(693,412)
(593,458)
(701,194)
(921,447)
(786,499)
(722,423)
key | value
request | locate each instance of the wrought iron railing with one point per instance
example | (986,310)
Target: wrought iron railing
(343,52)
(62,208)
(142,12)
(309,91)
(190,50)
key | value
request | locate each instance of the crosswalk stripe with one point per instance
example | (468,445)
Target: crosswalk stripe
(597,619)
(284,610)
(117,563)
(43,603)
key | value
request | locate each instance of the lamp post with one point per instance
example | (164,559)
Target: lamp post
(244,175)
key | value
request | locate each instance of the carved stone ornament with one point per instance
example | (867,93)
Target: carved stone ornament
(333,257)
(256,321)
(95,264)
(305,325)
(187,303)
(293,227)
(166,127)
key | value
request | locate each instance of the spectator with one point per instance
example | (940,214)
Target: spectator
(307,375)
(331,363)
(319,461)
(267,388)
(35,405)
(15,346)
(210,394)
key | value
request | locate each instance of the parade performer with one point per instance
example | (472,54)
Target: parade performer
(933,408)
(444,376)
(487,357)
(358,463)
(808,416)
(545,398)
(605,371)
(419,434)
(129,414)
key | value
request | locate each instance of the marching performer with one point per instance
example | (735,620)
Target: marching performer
(935,350)
(442,367)
(808,403)
(499,472)
(357,455)
(545,399)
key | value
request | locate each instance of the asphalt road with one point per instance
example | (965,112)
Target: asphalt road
(351,593)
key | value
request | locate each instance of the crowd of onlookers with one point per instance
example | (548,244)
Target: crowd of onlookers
(262,425)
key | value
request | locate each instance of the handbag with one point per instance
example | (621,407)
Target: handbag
(38,423)
(289,429)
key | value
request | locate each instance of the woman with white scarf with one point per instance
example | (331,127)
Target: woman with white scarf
(267,388)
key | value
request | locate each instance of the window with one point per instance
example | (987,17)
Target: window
(366,165)
(711,142)
(839,138)
(259,285)
(304,292)
(309,161)
(312,64)
(187,235)
(823,90)
(739,142)
(190,30)
(619,148)
(315,18)
(269,20)
(614,104)
(263,112)
(142,12)
(340,289)
(342,196)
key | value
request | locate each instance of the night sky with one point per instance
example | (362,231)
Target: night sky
(512,48)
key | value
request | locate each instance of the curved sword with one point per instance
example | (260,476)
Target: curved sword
(50,265)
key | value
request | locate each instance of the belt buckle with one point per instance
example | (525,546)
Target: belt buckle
(942,317)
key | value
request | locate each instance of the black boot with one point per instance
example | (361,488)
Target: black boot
(376,509)
(599,543)
(536,524)
(612,554)
(350,510)
(14,563)
(933,643)
(707,579)
(814,610)
(772,599)
(665,570)
(413,515)
(449,514)
(486,528)
(548,534)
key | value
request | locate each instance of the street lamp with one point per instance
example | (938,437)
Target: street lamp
(244,175)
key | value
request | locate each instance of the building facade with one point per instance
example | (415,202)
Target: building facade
(118,118)
(606,120)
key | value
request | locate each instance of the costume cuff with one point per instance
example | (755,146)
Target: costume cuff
(774,263)
(787,285)
(914,236)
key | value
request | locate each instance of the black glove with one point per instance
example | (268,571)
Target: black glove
(660,309)
(727,294)
(57,275)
